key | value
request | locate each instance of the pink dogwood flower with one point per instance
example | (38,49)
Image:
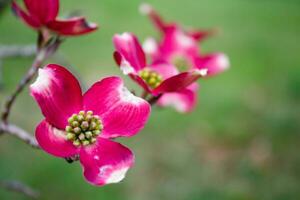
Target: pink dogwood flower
(180,47)
(42,14)
(85,125)
(156,78)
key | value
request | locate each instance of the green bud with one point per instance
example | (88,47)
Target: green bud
(81,136)
(68,129)
(70,120)
(88,134)
(77,130)
(93,125)
(88,117)
(75,123)
(76,143)
(93,140)
(96,132)
(85,142)
(89,112)
(70,136)
(84,125)
(80,118)
(82,112)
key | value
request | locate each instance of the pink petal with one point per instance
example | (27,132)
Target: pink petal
(156,19)
(54,141)
(140,82)
(73,26)
(178,82)
(128,46)
(58,94)
(176,43)
(183,101)
(199,35)
(44,10)
(164,69)
(106,162)
(29,20)
(215,63)
(122,113)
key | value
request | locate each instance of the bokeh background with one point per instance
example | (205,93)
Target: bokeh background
(242,141)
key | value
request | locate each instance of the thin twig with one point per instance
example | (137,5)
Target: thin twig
(26,79)
(19,133)
(17,51)
(41,56)
(19,187)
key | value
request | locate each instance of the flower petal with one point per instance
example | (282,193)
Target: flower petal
(72,26)
(122,113)
(215,63)
(45,10)
(105,162)
(29,20)
(183,101)
(199,35)
(128,46)
(166,70)
(147,9)
(58,94)
(54,141)
(179,82)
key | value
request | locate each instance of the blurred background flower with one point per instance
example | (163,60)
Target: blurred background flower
(241,142)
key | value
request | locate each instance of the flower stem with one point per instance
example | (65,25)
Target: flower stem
(154,99)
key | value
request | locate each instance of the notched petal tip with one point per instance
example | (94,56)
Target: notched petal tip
(73,26)
(106,162)
(145,8)
(43,80)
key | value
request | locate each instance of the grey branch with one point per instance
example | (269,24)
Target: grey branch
(17,51)
(19,133)
(19,187)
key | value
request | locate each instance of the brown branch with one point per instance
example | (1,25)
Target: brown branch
(26,79)
(41,56)
(19,187)
(17,51)
(19,133)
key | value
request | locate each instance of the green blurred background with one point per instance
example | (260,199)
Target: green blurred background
(242,141)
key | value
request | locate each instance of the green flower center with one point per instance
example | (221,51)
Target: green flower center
(152,78)
(181,63)
(83,128)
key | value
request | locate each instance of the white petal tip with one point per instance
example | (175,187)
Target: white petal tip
(127,96)
(202,72)
(43,80)
(223,61)
(145,8)
(150,45)
(125,36)
(126,68)
(115,176)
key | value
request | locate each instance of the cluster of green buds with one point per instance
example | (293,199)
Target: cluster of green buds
(152,78)
(181,63)
(83,128)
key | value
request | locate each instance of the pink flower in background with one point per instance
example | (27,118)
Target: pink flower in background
(84,125)
(157,78)
(42,14)
(180,47)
